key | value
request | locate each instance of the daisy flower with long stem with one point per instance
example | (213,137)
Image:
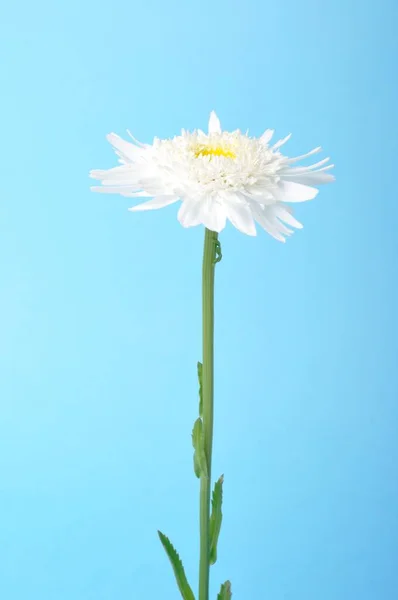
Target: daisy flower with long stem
(217,177)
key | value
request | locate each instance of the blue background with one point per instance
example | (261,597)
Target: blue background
(100,308)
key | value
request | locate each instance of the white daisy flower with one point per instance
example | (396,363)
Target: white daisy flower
(217,176)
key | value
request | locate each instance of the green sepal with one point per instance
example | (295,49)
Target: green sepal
(200,375)
(199,456)
(225,592)
(217,252)
(215,518)
(178,568)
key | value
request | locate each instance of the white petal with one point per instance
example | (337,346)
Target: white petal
(274,233)
(267,135)
(281,142)
(189,213)
(272,214)
(214,214)
(214,123)
(314,167)
(124,149)
(319,164)
(136,141)
(143,194)
(157,202)
(240,215)
(281,228)
(285,213)
(210,213)
(297,158)
(309,178)
(107,173)
(123,190)
(325,168)
(289,191)
(155,187)
(127,175)
(260,216)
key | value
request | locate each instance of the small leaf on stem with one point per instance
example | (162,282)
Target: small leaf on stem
(182,582)
(215,518)
(225,592)
(199,456)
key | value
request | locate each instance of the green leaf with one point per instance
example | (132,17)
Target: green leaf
(225,592)
(215,518)
(199,456)
(178,568)
(200,378)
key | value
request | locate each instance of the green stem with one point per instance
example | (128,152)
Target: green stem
(209,260)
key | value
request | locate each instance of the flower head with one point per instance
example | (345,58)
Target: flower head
(217,176)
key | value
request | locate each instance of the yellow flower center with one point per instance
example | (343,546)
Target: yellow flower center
(214,151)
